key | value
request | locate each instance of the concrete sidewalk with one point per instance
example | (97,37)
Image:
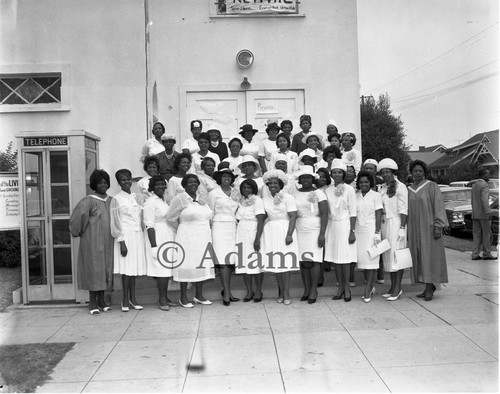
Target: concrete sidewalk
(448,344)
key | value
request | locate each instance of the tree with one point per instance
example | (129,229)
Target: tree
(462,171)
(383,134)
(8,159)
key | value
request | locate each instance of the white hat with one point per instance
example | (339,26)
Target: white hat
(338,164)
(280,157)
(275,174)
(306,170)
(331,122)
(308,152)
(166,137)
(310,134)
(387,163)
(248,159)
(371,161)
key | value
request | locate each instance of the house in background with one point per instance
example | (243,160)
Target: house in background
(479,150)
(427,154)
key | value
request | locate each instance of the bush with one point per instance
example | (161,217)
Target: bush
(10,248)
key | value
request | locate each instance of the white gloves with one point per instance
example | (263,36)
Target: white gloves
(376,239)
(401,234)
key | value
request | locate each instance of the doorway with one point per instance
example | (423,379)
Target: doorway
(228,111)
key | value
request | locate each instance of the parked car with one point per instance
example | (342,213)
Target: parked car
(492,183)
(460,184)
(457,202)
(494,220)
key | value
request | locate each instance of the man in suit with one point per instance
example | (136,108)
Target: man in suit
(481,217)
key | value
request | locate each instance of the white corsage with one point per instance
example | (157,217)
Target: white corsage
(351,156)
(313,200)
(248,201)
(235,194)
(339,190)
(278,198)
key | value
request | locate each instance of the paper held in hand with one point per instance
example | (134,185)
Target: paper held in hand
(378,249)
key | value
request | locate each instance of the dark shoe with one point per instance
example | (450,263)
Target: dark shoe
(477,258)
(258,299)
(347,299)
(234,299)
(421,295)
(489,258)
(304,298)
(226,303)
(429,297)
(311,300)
(338,296)
(320,284)
(248,299)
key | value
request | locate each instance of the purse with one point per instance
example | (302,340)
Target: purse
(402,259)
(378,249)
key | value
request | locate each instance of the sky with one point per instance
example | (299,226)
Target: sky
(437,60)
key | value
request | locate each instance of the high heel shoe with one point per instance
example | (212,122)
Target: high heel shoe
(347,299)
(287,302)
(304,298)
(395,298)
(163,307)
(136,307)
(368,299)
(311,300)
(206,302)
(232,299)
(125,308)
(248,299)
(338,296)
(94,311)
(188,305)
(258,299)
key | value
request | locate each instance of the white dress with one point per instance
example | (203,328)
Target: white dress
(391,221)
(247,212)
(191,144)
(234,162)
(365,227)
(193,236)
(274,235)
(151,148)
(341,207)
(266,148)
(126,219)
(309,224)
(155,216)
(197,159)
(223,225)
(174,187)
(143,193)
(352,158)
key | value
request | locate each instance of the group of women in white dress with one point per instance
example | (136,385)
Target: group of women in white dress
(266,211)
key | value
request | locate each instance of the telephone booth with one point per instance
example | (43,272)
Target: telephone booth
(54,171)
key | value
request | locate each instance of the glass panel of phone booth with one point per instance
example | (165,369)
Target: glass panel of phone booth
(59,182)
(61,251)
(37,252)
(34,184)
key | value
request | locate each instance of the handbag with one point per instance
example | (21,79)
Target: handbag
(378,249)
(402,259)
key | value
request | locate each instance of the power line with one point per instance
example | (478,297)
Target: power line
(442,92)
(409,97)
(468,41)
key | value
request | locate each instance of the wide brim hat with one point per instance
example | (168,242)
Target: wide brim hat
(167,137)
(310,134)
(280,157)
(338,164)
(387,163)
(248,159)
(306,170)
(247,127)
(308,152)
(275,174)
(223,168)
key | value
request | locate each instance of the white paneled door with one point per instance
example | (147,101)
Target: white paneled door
(228,111)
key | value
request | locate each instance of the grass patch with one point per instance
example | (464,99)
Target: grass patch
(25,367)
(10,280)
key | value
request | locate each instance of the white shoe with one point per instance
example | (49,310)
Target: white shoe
(381,281)
(188,305)
(206,302)
(394,298)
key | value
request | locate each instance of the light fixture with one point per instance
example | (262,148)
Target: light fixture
(245,84)
(244,58)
